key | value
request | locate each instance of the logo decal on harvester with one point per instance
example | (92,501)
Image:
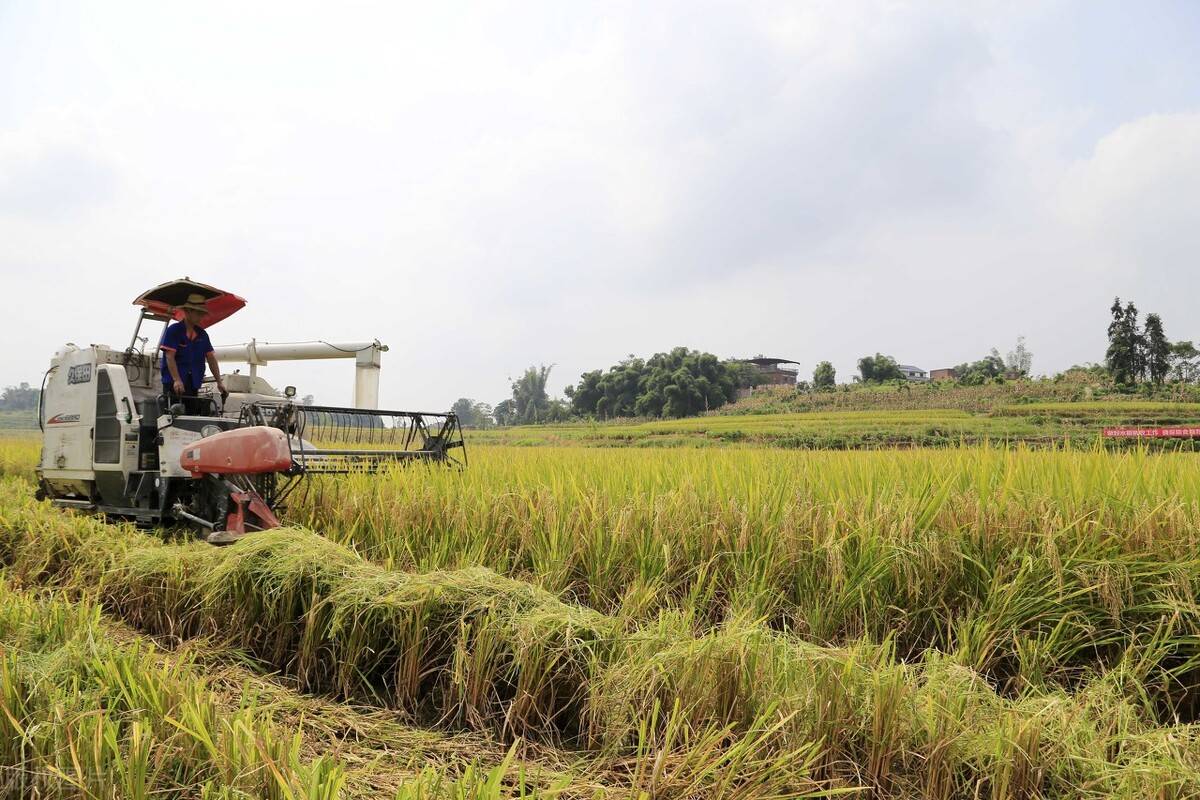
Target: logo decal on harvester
(80,373)
(59,419)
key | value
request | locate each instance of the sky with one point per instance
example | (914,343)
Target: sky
(484,187)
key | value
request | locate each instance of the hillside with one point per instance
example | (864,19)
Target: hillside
(1071,388)
(1038,413)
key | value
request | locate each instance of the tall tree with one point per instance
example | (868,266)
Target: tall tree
(530,399)
(824,376)
(1020,360)
(464,407)
(878,368)
(484,415)
(1124,357)
(1157,350)
(620,387)
(979,372)
(866,369)
(505,412)
(685,382)
(19,398)
(586,394)
(1137,339)
(1183,359)
(679,383)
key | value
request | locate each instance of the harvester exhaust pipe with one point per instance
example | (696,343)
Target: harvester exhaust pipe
(366,355)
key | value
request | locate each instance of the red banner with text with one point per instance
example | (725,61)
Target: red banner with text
(1152,433)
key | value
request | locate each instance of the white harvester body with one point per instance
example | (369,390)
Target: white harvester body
(106,434)
(112,444)
(89,407)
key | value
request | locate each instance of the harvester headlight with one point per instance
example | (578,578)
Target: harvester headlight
(209,430)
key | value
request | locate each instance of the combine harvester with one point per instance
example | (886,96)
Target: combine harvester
(112,444)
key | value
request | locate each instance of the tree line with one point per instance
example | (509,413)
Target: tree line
(685,382)
(1017,363)
(1141,353)
(21,397)
(679,383)
(529,404)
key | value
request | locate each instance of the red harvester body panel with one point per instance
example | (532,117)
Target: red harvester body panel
(242,451)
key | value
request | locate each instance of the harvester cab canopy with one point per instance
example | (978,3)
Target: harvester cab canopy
(163,301)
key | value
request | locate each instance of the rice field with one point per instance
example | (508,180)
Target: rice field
(833,430)
(1040,424)
(969,621)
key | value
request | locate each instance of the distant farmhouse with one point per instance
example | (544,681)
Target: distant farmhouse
(912,373)
(770,372)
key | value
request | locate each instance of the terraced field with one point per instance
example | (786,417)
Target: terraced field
(1073,387)
(1038,424)
(582,622)
(22,421)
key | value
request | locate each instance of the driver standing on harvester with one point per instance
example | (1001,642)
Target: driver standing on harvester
(185,349)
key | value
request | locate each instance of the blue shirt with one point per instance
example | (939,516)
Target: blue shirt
(189,355)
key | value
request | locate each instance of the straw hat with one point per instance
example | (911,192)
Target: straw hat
(195,302)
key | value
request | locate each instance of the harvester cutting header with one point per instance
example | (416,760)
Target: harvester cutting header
(146,436)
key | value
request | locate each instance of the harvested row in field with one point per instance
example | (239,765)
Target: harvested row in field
(1032,567)
(468,650)
(738,711)
(82,715)
(205,724)
(379,755)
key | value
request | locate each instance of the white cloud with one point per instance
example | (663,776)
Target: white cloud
(51,170)
(484,187)
(1135,197)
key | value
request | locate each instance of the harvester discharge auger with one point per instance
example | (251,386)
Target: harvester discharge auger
(223,462)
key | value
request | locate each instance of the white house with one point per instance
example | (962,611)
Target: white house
(913,373)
